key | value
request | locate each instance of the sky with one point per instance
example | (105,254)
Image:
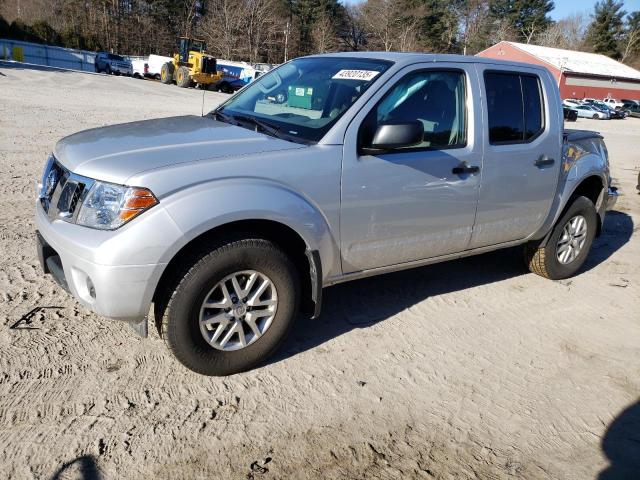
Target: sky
(566,7)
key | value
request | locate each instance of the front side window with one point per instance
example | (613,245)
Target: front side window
(434,98)
(301,100)
(515,107)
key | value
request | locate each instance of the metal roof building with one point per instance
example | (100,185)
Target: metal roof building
(579,74)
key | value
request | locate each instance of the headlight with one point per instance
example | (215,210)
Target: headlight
(108,206)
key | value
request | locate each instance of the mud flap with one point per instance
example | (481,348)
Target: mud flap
(315,272)
(141,327)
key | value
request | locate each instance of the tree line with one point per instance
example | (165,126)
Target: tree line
(275,30)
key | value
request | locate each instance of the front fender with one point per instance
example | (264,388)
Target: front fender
(208,205)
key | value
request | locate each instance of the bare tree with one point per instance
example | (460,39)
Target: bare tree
(323,34)
(473,15)
(631,42)
(222,27)
(568,33)
(389,26)
(352,32)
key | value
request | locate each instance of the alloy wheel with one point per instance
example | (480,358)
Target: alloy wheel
(238,310)
(573,238)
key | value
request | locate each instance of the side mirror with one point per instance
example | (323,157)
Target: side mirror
(394,135)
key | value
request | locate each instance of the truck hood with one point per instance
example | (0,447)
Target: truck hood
(117,152)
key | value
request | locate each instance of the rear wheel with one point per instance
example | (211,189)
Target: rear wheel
(595,116)
(231,308)
(182,77)
(166,73)
(568,246)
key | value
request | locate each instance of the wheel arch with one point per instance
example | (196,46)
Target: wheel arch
(591,186)
(306,260)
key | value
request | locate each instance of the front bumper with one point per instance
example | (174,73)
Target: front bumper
(122,292)
(122,70)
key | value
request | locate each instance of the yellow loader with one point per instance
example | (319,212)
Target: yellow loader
(191,65)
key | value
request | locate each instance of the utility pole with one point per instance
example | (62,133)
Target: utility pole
(286,41)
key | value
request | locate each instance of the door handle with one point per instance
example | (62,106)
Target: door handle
(544,161)
(462,169)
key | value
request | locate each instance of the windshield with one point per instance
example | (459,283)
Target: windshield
(302,99)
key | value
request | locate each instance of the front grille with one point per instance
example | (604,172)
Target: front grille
(62,192)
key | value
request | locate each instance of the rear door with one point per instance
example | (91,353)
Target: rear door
(523,130)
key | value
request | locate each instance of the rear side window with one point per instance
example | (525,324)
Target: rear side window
(515,107)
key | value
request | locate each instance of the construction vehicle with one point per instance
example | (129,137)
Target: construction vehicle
(190,65)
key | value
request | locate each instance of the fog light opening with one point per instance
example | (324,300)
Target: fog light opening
(90,288)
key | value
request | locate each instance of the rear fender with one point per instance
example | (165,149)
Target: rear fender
(584,156)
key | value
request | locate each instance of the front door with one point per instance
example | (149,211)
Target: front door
(416,202)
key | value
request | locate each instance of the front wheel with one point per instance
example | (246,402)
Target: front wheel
(232,308)
(568,246)
(183,80)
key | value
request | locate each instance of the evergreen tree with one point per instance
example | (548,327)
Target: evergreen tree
(439,26)
(606,30)
(524,18)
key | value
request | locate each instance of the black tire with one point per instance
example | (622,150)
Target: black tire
(225,87)
(544,260)
(595,116)
(184,295)
(182,77)
(157,76)
(166,73)
(107,69)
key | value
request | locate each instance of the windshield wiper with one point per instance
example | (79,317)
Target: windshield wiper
(260,124)
(222,116)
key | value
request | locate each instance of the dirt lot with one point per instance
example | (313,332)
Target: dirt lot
(469,369)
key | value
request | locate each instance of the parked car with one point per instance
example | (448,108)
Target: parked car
(611,113)
(588,111)
(374,162)
(633,111)
(603,107)
(229,85)
(626,101)
(571,102)
(111,63)
(570,114)
(613,103)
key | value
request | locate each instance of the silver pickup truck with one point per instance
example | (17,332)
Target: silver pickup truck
(329,168)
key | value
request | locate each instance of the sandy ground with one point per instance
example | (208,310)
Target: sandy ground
(468,369)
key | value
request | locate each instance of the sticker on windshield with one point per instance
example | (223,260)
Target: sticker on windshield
(366,75)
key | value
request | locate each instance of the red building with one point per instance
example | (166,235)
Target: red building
(579,74)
